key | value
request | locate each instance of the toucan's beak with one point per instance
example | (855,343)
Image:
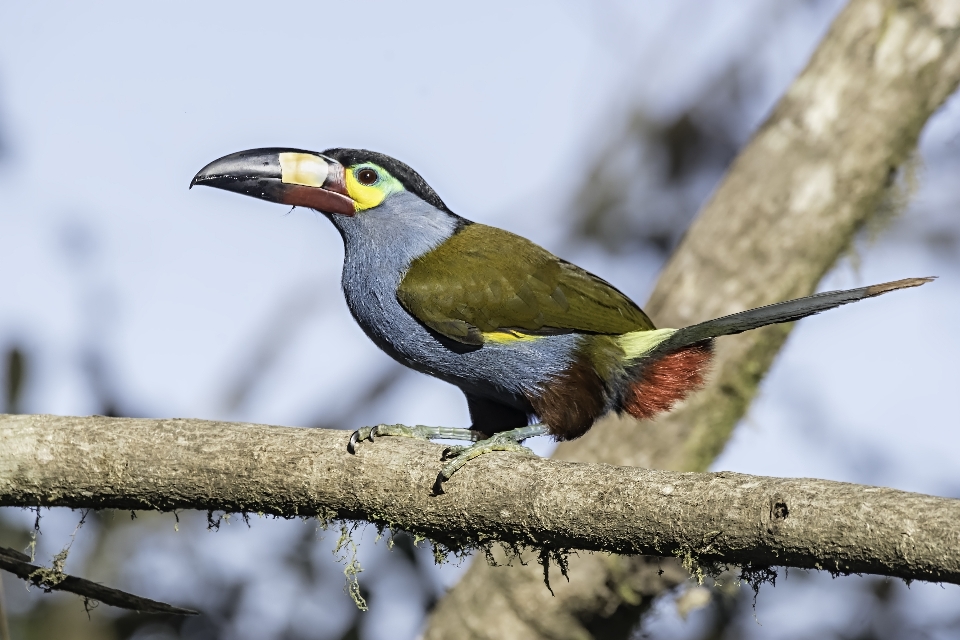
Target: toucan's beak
(286,176)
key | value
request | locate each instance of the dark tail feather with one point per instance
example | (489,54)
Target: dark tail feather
(678,365)
(781,312)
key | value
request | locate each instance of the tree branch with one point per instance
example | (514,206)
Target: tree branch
(124,463)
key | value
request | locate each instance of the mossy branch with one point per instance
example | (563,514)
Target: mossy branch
(517,500)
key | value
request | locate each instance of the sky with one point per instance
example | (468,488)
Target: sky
(108,109)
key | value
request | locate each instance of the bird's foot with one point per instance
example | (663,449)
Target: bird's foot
(503,441)
(420,432)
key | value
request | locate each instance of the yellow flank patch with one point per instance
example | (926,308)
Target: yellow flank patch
(507,337)
(302,168)
(636,344)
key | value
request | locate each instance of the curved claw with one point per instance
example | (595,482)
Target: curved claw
(352,444)
(364,433)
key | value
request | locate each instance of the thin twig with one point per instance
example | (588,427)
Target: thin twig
(19,565)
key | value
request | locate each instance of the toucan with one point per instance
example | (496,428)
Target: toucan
(537,344)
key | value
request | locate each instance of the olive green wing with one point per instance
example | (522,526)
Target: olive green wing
(485,279)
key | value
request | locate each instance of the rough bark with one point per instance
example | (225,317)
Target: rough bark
(521,500)
(789,207)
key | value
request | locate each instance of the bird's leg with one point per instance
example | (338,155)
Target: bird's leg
(420,432)
(503,441)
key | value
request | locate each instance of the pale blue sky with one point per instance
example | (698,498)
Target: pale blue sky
(108,109)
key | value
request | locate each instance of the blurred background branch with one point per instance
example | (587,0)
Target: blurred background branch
(53,579)
(787,210)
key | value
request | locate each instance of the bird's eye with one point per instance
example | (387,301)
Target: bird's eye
(367,176)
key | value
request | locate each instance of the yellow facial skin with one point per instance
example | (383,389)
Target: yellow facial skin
(372,195)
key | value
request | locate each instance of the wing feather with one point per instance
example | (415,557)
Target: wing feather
(485,279)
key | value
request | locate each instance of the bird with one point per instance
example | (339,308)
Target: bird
(537,345)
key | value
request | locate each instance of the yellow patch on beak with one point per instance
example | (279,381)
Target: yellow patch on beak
(303,168)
